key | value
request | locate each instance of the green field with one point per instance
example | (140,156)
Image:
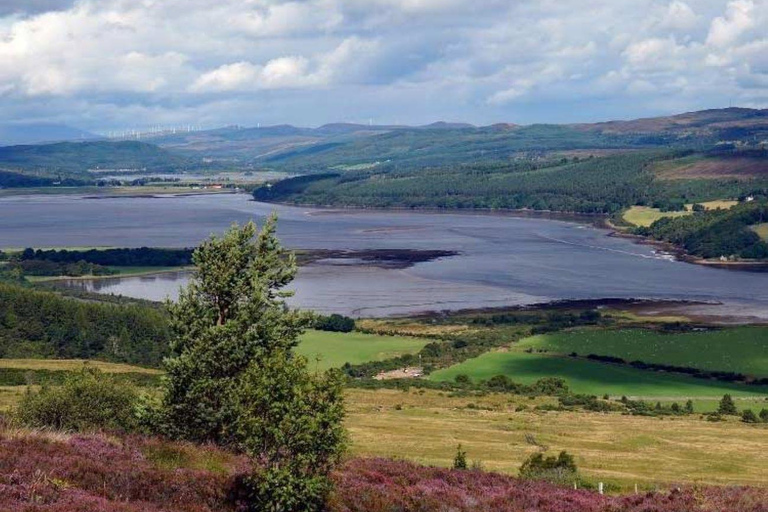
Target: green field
(591,377)
(120,272)
(334,348)
(741,349)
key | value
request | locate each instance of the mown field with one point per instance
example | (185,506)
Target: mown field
(426,426)
(333,349)
(741,350)
(645,215)
(592,378)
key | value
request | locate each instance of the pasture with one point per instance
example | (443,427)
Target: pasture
(645,215)
(593,378)
(741,349)
(426,426)
(332,349)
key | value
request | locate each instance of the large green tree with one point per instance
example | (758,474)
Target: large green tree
(234,379)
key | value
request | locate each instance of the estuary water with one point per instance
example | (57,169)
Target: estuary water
(503,260)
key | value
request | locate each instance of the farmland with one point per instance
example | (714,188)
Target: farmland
(645,215)
(333,349)
(591,377)
(742,349)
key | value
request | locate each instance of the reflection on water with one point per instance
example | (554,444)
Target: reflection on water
(332,288)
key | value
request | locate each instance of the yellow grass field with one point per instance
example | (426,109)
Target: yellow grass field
(762,230)
(645,215)
(73,364)
(623,450)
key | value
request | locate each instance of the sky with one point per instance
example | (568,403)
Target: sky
(121,64)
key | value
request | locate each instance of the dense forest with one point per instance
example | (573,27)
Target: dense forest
(715,233)
(44,324)
(125,257)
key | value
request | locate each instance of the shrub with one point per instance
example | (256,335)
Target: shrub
(87,400)
(764,415)
(559,470)
(749,417)
(334,323)
(460,460)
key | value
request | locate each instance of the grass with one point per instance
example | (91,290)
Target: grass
(740,349)
(426,426)
(334,349)
(60,365)
(645,215)
(593,378)
(121,272)
(762,230)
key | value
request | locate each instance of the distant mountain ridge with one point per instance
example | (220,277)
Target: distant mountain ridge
(38,133)
(340,146)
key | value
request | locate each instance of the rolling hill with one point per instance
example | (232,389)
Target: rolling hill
(77,158)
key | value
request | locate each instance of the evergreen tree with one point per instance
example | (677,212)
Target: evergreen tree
(233,378)
(460,460)
(727,406)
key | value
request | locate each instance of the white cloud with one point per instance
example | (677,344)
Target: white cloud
(100,62)
(738,18)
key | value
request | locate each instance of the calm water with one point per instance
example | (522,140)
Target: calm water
(504,260)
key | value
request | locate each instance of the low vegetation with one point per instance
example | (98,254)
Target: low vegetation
(327,350)
(739,350)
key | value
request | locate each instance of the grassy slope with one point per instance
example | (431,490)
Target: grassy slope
(335,349)
(427,426)
(591,377)
(742,349)
(645,216)
(762,230)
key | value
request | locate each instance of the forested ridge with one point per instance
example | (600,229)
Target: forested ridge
(587,185)
(44,324)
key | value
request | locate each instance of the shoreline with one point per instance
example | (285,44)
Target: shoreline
(597,220)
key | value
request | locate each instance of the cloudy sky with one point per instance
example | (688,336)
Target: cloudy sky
(116,64)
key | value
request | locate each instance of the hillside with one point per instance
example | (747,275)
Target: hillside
(77,158)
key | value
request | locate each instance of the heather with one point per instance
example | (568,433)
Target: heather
(53,472)
(56,472)
(382,485)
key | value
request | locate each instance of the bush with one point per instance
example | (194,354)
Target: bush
(88,400)
(749,417)
(334,323)
(559,470)
(460,460)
